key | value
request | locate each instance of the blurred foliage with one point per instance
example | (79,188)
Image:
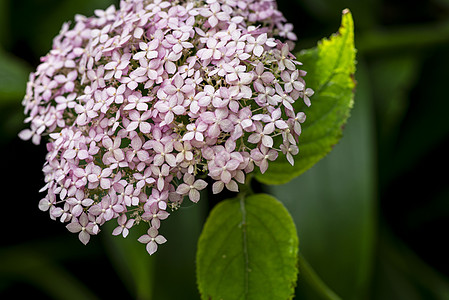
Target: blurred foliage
(371,217)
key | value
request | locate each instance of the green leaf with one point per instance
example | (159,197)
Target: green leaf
(330,73)
(248,250)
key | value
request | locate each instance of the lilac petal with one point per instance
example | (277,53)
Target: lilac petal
(183,189)
(144,127)
(74,227)
(160,239)
(267,141)
(143,155)
(118,230)
(77,210)
(69,154)
(194,195)
(200,184)
(232,186)
(26,134)
(188,136)
(217,187)
(156,223)
(225,176)
(152,232)
(83,154)
(84,237)
(254,138)
(170,159)
(263,166)
(256,155)
(144,239)
(125,232)
(290,159)
(44,205)
(132,126)
(151,247)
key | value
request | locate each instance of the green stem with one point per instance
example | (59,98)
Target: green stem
(311,278)
(245,189)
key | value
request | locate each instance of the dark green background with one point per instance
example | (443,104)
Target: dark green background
(372,217)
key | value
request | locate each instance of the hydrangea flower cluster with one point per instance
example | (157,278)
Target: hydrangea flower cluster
(140,104)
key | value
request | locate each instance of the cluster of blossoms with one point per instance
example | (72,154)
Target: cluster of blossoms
(138,104)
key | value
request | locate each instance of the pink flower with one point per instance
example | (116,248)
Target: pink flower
(284,59)
(214,14)
(114,152)
(255,45)
(99,176)
(124,226)
(117,66)
(164,154)
(79,202)
(154,214)
(138,121)
(108,208)
(169,110)
(83,226)
(217,121)
(262,134)
(289,151)
(144,179)
(136,150)
(148,50)
(85,113)
(152,239)
(262,155)
(191,187)
(195,132)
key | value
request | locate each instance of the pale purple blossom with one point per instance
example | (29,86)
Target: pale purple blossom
(154,214)
(124,225)
(191,187)
(139,104)
(152,239)
(83,227)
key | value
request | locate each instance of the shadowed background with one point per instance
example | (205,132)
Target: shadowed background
(372,216)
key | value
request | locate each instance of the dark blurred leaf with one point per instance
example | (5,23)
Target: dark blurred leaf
(333,204)
(401,274)
(248,250)
(37,22)
(402,38)
(426,117)
(13,77)
(4,23)
(21,264)
(366,11)
(175,260)
(443,2)
(133,263)
(392,78)
(331,68)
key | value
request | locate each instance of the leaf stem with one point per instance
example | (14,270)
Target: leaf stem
(245,241)
(312,279)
